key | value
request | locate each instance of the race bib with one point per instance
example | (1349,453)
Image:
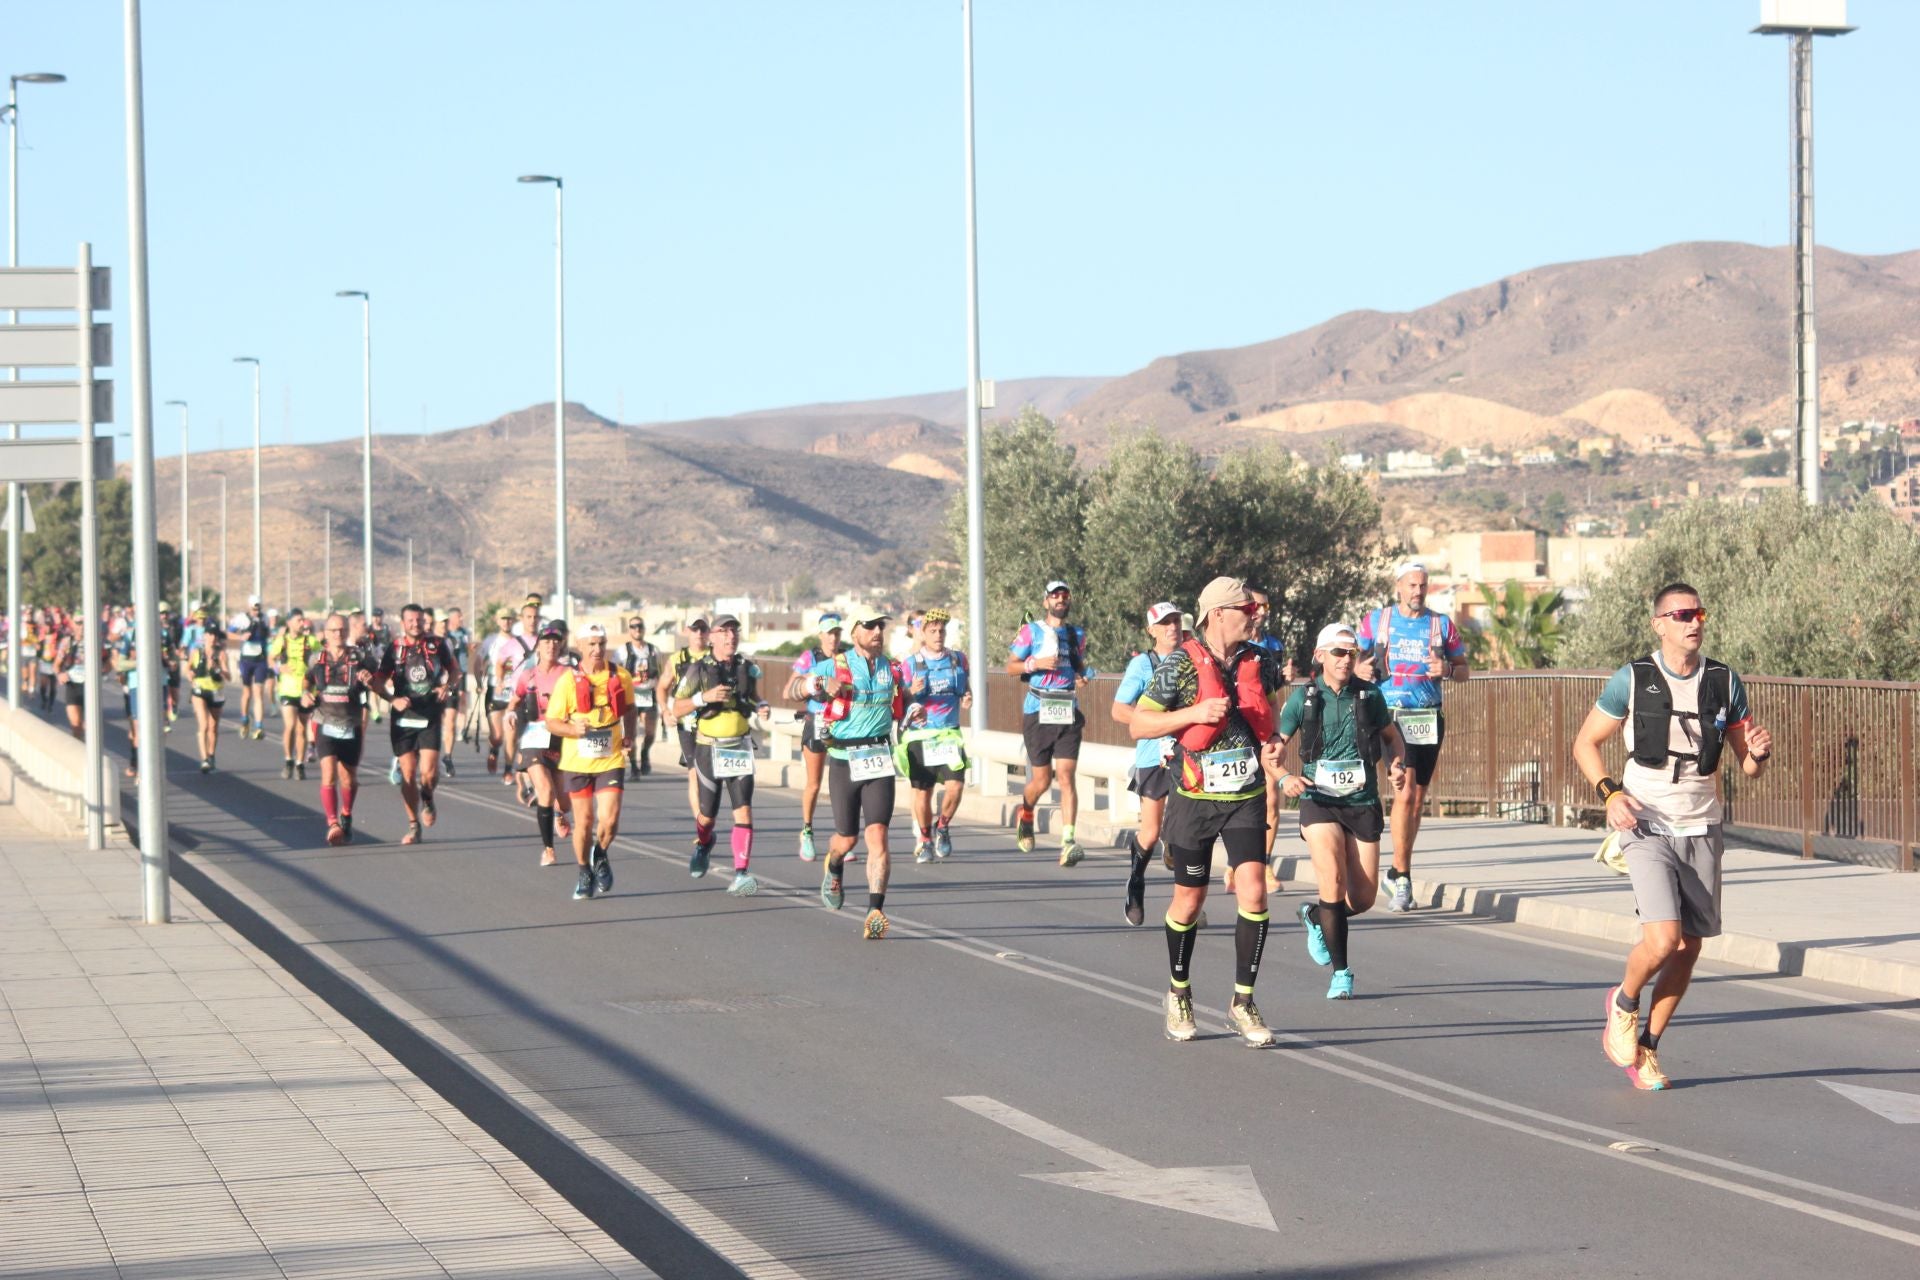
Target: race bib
(941,751)
(1227,771)
(1056,711)
(643,698)
(1339,777)
(338,732)
(596,744)
(1419,728)
(536,737)
(412,722)
(251,649)
(732,762)
(867,763)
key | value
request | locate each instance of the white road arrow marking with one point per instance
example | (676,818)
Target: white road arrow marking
(1226,1192)
(1901,1108)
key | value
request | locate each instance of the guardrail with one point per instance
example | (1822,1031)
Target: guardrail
(1842,786)
(54,761)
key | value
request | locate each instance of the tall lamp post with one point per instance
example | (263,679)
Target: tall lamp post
(1801,21)
(259,548)
(976,499)
(185,615)
(366,445)
(559,391)
(14,532)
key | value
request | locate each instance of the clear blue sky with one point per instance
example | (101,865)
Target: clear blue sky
(764,200)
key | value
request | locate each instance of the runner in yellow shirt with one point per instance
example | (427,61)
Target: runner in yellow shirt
(288,655)
(592,713)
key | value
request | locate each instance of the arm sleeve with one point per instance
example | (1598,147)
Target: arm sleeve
(1617,695)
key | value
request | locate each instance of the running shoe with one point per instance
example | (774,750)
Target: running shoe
(346,827)
(1402,899)
(1023,830)
(806,844)
(1070,852)
(1645,1071)
(646,766)
(286,771)
(942,843)
(1136,908)
(603,874)
(1316,936)
(583,885)
(743,886)
(1621,1038)
(546,858)
(830,891)
(446,762)
(393,774)
(1341,988)
(258,733)
(697,864)
(300,770)
(335,836)
(206,764)
(413,834)
(561,827)
(1244,1020)
(876,926)
(493,759)
(428,814)
(1180,1023)
(923,851)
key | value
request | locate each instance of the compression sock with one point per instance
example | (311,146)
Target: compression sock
(1623,1004)
(329,804)
(347,791)
(877,901)
(133,759)
(742,839)
(1137,858)
(595,854)
(1066,834)
(543,816)
(1249,940)
(1180,940)
(703,833)
(1332,919)
(1650,1040)
(924,834)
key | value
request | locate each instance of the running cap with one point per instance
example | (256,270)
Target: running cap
(1222,591)
(1161,612)
(591,630)
(553,631)
(829,622)
(533,598)
(1057,585)
(252,601)
(1333,633)
(935,615)
(503,616)
(165,607)
(1406,567)
(870,617)
(698,624)
(726,622)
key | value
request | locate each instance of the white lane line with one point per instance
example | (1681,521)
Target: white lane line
(1369,1071)
(1049,1135)
(1901,1108)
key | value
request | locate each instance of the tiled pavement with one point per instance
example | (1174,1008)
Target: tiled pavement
(174,1106)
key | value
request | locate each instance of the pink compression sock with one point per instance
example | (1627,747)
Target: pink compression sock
(742,847)
(329,805)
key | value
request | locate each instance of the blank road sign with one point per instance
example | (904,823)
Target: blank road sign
(34,402)
(44,461)
(51,346)
(52,289)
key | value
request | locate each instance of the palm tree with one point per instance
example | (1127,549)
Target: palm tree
(1522,632)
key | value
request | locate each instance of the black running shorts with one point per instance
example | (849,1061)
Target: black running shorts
(1192,827)
(1364,822)
(857,805)
(1049,742)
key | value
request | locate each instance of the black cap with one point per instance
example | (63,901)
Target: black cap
(698,624)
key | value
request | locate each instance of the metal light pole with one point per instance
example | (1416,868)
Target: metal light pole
(259,548)
(223,543)
(146,572)
(327,560)
(366,445)
(14,531)
(976,498)
(409,569)
(559,392)
(185,615)
(1801,21)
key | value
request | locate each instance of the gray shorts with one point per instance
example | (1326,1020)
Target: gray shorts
(1676,878)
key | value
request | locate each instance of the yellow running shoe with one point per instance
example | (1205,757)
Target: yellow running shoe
(1645,1071)
(1180,1024)
(1621,1039)
(1244,1020)
(876,926)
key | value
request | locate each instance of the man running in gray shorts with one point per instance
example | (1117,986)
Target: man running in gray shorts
(1679,711)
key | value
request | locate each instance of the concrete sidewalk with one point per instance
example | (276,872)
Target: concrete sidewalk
(173,1103)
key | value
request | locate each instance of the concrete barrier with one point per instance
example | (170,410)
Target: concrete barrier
(43,772)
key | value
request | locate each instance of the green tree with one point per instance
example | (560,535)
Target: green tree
(1789,590)
(1521,632)
(1140,517)
(50,557)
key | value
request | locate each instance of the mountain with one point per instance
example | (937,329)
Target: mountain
(1680,342)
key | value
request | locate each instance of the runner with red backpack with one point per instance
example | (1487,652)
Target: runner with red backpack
(415,674)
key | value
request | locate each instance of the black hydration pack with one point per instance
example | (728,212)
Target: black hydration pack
(1650,703)
(1313,718)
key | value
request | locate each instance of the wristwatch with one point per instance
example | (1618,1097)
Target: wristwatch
(1607,789)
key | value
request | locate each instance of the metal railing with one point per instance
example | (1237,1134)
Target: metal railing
(1842,785)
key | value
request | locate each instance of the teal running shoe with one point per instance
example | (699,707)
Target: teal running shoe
(1316,937)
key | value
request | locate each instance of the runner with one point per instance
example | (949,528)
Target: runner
(292,649)
(1217,696)
(251,632)
(334,688)
(207,671)
(414,675)
(170,662)
(1409,650)
(863,704)
(1051,657)
(932,749)
(1679,711)
(1150,779)
(126,655)
(810,672)
(536,753)
(695,648)
(499,688)
(51,627)
(453,630)
(1344,728)
(1264,637)
(639,657)
(721,691)
(592,712)
(69,672)
(378,643)
(510,657)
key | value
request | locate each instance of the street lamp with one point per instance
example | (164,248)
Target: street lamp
(13,375)
(258,548)
(559,390)
(366,444)
(184,614)
(1802,20)
(976,500)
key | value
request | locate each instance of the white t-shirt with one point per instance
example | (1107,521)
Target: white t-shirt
(1689,801)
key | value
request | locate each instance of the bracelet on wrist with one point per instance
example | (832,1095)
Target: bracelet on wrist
(1607,789)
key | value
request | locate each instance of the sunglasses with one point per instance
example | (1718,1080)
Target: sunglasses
(1343,653)
(633,626)
(1684,615)
(1249,609)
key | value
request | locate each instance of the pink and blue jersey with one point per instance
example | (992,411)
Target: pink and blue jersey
(946,684)
(814,662)
(1069,643)
(1410,644)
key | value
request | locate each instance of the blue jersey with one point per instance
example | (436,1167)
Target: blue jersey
(814,662)
(1068,643)
(870,717)
(1410,644)
(946,684)
(1148,753)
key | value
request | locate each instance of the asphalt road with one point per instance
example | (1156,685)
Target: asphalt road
(855,1109)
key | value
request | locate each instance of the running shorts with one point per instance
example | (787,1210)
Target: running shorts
(1193,826)
(811,739)
(922,777)
(255,671)
(409,735)
(1421,761)
(857,805)
(576,784)
(345,750)
(1049,742)
(1364,822)
(739,790)
(1155,783)
(1676,878)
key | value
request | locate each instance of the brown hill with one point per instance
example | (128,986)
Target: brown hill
(1693,335)
(649,515)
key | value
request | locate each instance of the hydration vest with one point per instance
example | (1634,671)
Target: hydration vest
(1650,703)
(1250,699)
(1313,722)
(1383,635)
(583,692)
(840,706)
(736,673)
